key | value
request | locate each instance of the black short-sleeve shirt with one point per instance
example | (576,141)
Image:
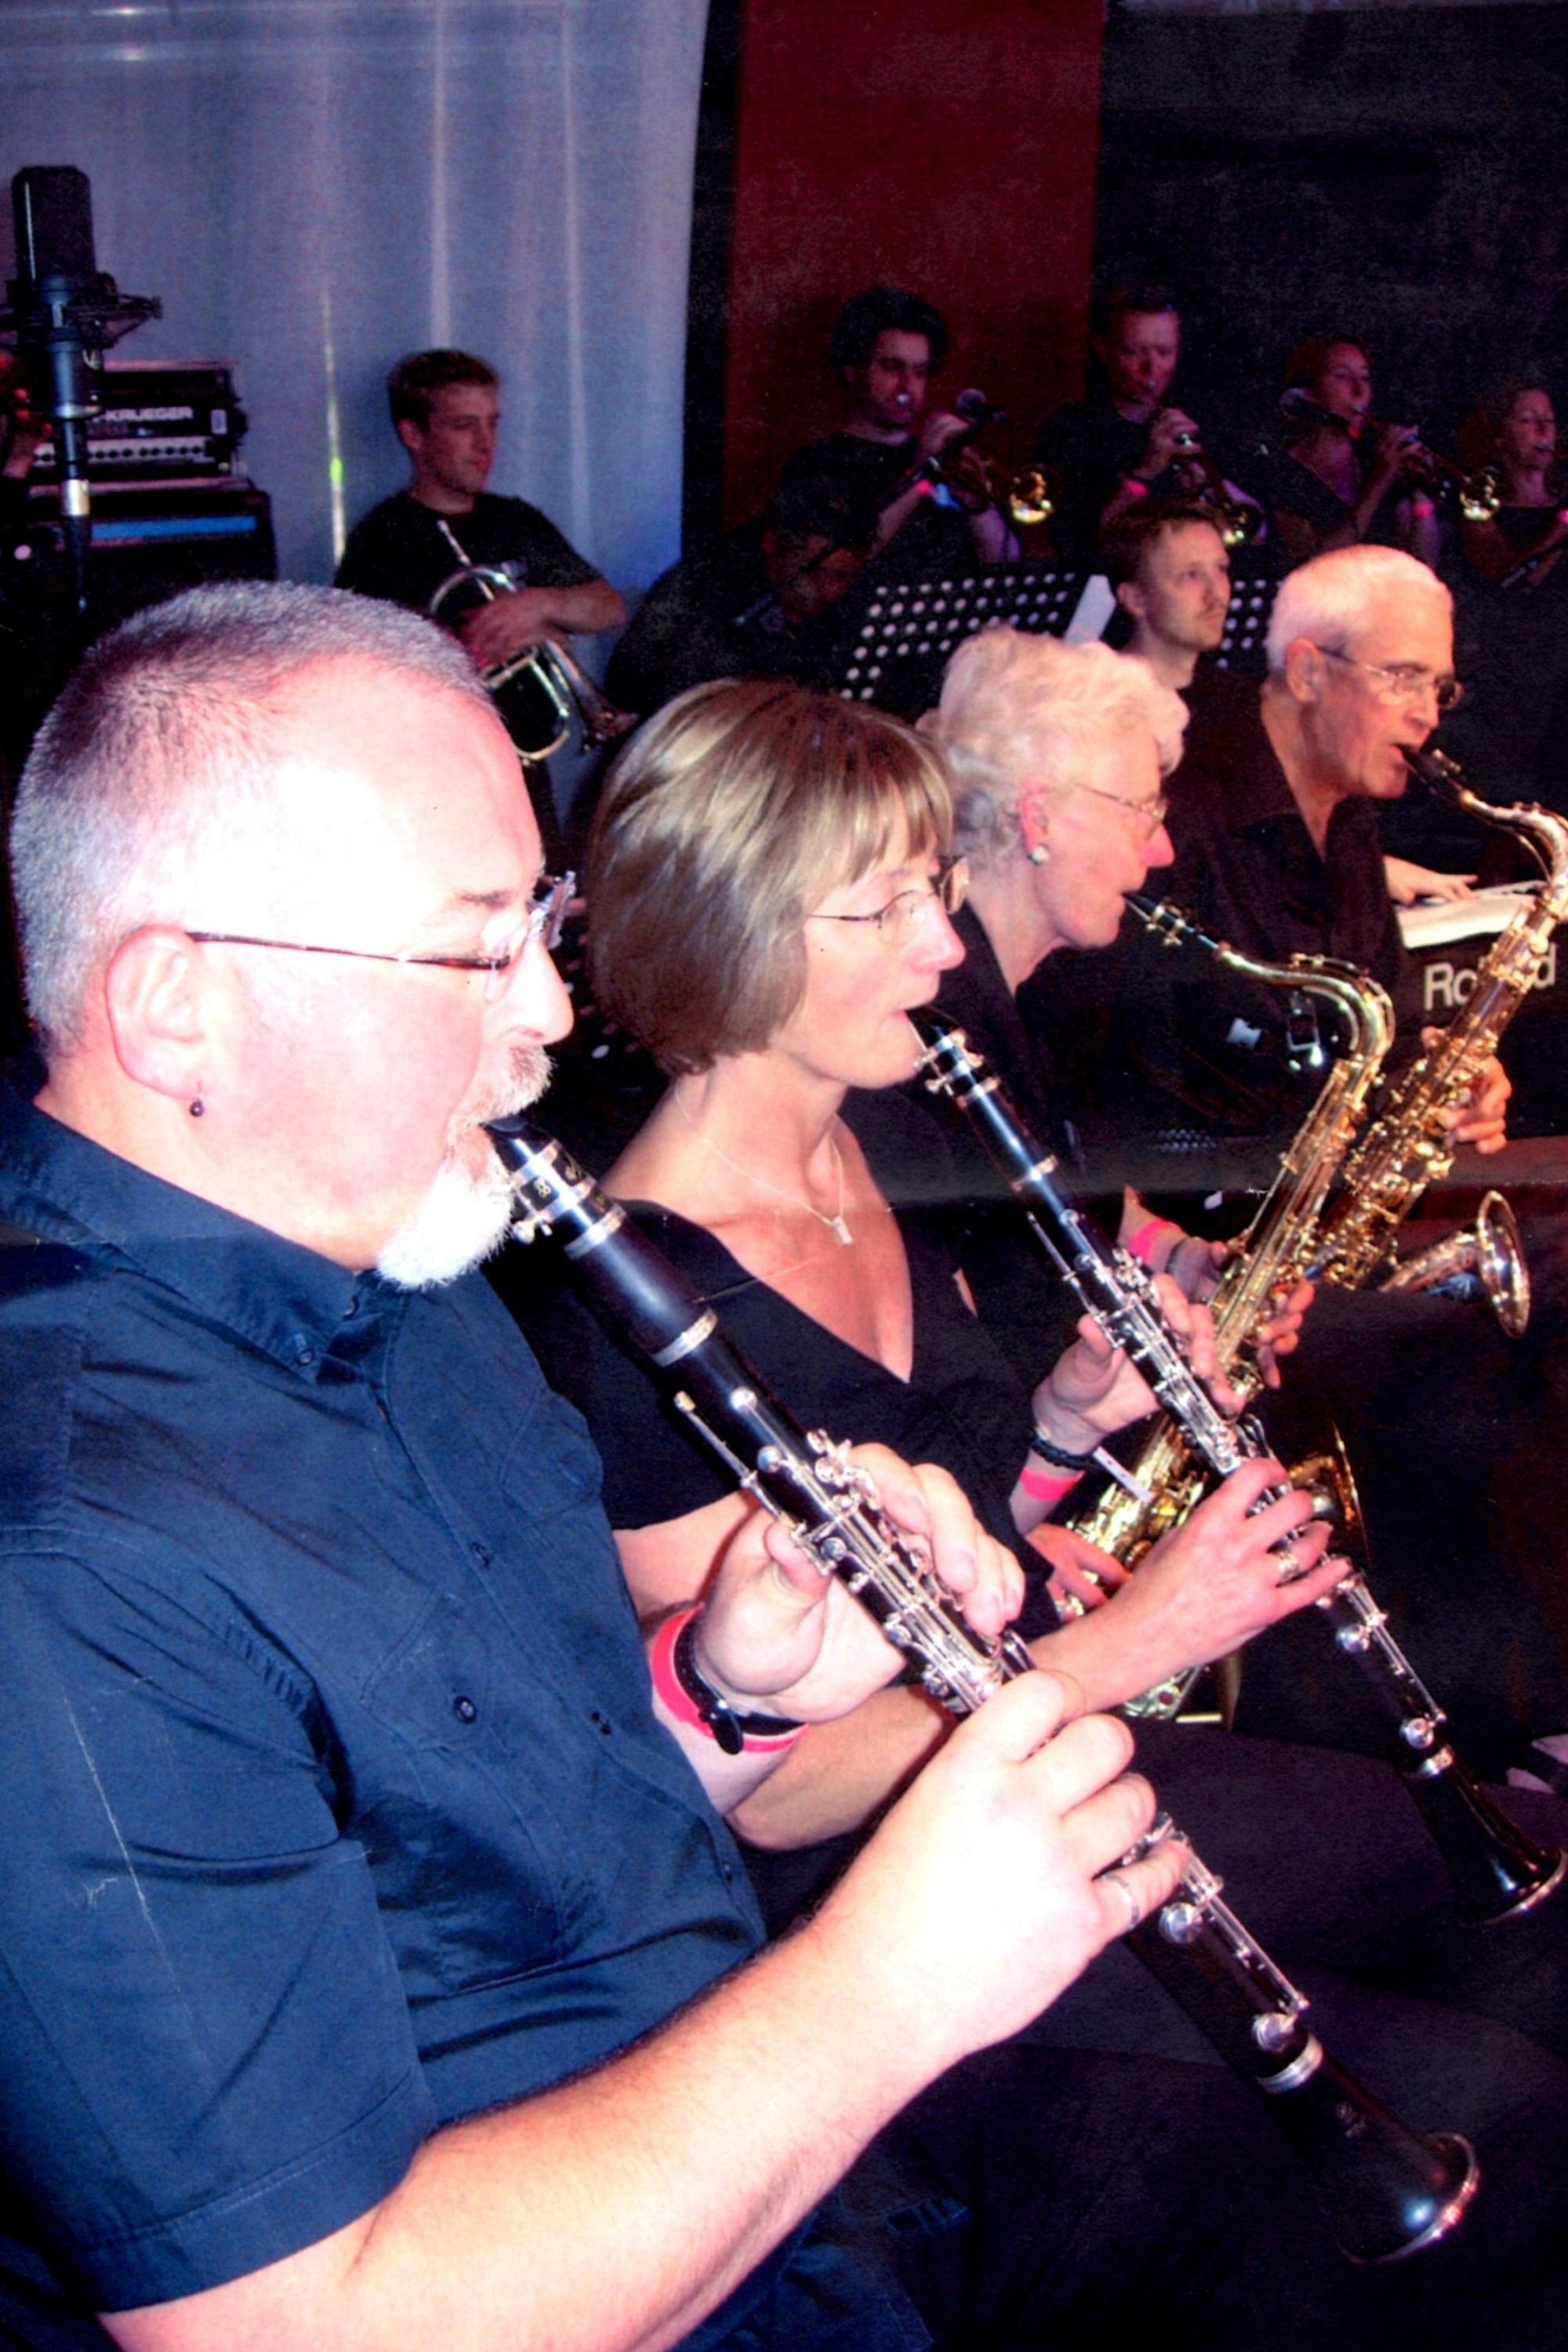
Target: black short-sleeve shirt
(400,552)
(1092,447)
(1186,1046)
(936,537)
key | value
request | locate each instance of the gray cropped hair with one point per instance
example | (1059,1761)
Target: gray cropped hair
(158,749)
(1016,709)
(1332,596)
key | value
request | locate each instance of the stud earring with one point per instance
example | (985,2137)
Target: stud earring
(197,1108)
(1038,855)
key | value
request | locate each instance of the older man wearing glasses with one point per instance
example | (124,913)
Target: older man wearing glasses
(1274,821)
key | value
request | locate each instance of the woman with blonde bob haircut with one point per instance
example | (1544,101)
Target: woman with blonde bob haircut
(752,801)
(770,894)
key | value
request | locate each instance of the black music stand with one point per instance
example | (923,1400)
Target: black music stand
(908,628)
(1254,584)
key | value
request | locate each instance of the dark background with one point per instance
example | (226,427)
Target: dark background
(1398,173)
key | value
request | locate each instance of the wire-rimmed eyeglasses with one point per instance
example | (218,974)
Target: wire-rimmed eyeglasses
(1406,682)
(542,922)
(1154,812)
(898,920)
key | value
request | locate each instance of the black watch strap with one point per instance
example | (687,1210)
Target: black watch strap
(729,1729)
(1058,1457)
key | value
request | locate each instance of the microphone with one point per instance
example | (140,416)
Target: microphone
(976,410)
(65,313)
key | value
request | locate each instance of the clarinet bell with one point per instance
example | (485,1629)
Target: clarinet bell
(1390,2192)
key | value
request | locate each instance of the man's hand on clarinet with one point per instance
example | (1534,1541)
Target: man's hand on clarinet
(998,1876)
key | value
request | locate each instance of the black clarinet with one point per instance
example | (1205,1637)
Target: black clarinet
(1389,2190)
(1498,1872)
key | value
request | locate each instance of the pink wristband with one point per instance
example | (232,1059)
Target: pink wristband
(679,1703)
(1048,1486)
(1141,1245)
(661,1666)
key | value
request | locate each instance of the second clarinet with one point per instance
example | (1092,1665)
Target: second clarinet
(1498,1871)
(1389,2190)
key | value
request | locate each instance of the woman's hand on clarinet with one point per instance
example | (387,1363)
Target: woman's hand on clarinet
(777,1636)
(1093,1390)
(1215,1582)
(1081,1573)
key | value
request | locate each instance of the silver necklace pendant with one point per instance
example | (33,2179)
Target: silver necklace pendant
(840,1231)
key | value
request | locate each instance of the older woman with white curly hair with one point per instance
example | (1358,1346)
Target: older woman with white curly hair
(1057,755)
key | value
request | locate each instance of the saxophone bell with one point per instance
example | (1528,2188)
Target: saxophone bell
(1486,1260)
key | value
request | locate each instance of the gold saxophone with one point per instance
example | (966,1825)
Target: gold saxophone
(1166,1481)
(1409,1145)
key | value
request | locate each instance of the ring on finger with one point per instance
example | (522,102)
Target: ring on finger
(1287,1563)
(1118,1886)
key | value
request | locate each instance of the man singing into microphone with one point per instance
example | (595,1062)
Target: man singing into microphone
(885,345)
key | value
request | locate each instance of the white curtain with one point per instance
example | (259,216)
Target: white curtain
(316,186)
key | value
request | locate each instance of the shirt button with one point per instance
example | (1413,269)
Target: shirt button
(463,1708)
(600,1722)
(350,1311)
(304,1354)
(480,1554)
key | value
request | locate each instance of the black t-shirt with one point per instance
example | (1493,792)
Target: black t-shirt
(1525,527)
(936,537)
(1091,446)
(713,616)
(1290,488)
(962,1405)
(400,552)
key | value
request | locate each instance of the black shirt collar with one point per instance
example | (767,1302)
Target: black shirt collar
(1256,792)
(274,1294)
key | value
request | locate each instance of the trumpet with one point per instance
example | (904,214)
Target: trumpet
(1028,494)
(565,696)
(1476,494)
(1202,479)
(1389,2190)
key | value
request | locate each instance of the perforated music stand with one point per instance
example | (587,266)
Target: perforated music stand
(908,628)
(1254,585)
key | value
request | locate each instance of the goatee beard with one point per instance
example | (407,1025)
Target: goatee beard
(466,1213)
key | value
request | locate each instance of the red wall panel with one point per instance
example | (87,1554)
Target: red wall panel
(948,145)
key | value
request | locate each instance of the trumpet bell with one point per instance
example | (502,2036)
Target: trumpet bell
(1033,495)
(541,692)
(1480,493)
